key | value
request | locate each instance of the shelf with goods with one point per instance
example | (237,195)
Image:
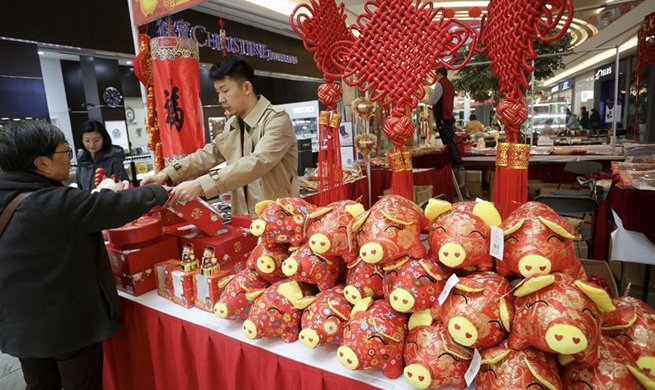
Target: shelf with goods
(543,112)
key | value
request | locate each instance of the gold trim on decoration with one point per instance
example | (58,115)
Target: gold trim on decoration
(407,160)
(502,152)
(335,122)
(396,161)
(519,156)
(324,118)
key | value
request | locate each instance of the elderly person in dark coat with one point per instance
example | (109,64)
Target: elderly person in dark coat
(58,301)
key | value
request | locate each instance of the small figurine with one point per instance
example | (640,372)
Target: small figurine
(189,262)
(209,265)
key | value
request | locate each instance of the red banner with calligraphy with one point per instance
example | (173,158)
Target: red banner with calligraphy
(176,79)
(145,11)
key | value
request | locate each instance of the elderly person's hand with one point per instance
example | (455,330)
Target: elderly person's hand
(110,184)
(186,191)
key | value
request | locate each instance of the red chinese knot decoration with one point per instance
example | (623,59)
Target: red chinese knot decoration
(645,54)
(319,24)
(399,45)
(508,32)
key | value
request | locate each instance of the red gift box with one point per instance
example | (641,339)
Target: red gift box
(133,261)
(140,231)
(162,274)
(199,213)
(242,220)
(207,291)
(182,285)
(137,284)
(231,248)
(166,216)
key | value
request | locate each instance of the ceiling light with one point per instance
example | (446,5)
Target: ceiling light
(284,7)
(462,4)
(41,53)
(587,64)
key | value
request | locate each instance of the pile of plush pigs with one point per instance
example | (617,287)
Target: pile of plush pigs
(364,280)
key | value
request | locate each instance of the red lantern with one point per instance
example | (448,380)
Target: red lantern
(449,13)
(475,12)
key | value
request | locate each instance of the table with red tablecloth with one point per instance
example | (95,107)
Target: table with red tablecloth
(353,190)
(164,346)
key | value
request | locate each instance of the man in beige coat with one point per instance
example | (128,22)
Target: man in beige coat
(258,144)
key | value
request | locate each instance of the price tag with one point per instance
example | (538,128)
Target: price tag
(452,281)
(474,368)
(545,141)
(478,200)
(497,243)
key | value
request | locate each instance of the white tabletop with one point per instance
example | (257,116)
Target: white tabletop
(551,158)
(324,358)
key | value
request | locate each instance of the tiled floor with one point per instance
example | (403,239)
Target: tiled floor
(11,376)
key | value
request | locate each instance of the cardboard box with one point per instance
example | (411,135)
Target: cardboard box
(137,284)
(472,176)
(199,213)
(182,286)
(162,277)
(421,193)
(207,291)
(133,261)
(602,269)
(231,247)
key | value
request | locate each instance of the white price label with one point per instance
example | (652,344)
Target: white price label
(474,368)
(478,200)
(452,281)
(497,243)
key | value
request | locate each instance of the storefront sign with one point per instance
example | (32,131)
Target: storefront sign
(586,95)
(603,72)
(303,110)
(565,85)
(219,41)
(554,89)
(145,11)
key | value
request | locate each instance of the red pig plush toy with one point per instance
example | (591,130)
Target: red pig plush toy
(433,360)
(389,230)
(266,260)
(460,234)
(632,325)
(478,312)
(239,292)
(363,280)
(558,314)
(504,368)
(305,266)
(330,230)
(277,311)
(324,320)
(613,370)
(374,338)
(282,221)
(413,284)
(538,242)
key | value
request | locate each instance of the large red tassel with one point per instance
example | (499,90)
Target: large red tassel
(511,179)
(399,128)
(330,172)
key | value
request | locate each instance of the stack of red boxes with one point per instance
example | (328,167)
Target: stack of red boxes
(133,250)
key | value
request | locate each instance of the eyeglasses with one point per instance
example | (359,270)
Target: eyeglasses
(69,151)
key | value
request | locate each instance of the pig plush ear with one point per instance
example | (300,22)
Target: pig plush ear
(355,210)
(533,284)
(436,207)
(542,373)
(394,219)
(488,213)
(557,229)
(225,281)
(495,355)
(599,296)
(333,306)
(506,314)
(641,377)
(468,285)
(360,221)
(362,305)
(320,212)
(566,359)
(252,295)
(420,318)
(259,207)
(293,293)
(622,318)
(514,228)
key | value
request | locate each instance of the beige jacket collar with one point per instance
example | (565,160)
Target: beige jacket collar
(253,118)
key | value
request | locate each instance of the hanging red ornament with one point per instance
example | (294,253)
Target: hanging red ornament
(449,13)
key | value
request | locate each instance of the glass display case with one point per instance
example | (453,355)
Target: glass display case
(549,118)
(304,116)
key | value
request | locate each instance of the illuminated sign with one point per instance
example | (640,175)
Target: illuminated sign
(603,72)
(565,85)
(220,41)
(303,110)
(554,89)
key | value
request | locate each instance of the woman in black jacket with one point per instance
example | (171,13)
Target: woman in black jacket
(97,152)
(58,301)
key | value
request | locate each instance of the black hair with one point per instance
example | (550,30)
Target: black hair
(91,126)
(473,117)
(443,71)
(22,142)
(235,67)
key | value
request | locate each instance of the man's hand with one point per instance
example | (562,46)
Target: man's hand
(186,191)
(159,179)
